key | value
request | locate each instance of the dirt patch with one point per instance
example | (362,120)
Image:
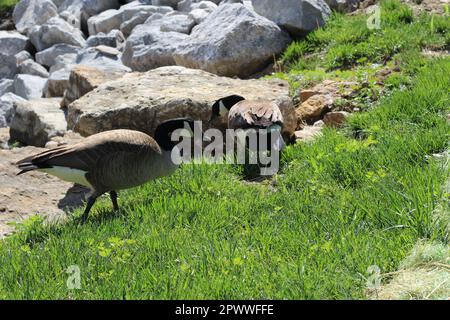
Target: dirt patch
(6,21)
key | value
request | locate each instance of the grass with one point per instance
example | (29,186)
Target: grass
(7,4)
(355,197)
(340,205)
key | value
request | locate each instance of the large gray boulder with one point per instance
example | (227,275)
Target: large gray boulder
(28,86)
(171,3)
(165,93)
(7,102)
(35,122)
(233,40)
(105,21)
(56,31)
(12,42)
(297,16)
(31,67)
(30,13)
(8,66)
(148,47)
(22,56)
(48,56)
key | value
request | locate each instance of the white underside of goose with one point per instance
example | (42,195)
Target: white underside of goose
(69,175)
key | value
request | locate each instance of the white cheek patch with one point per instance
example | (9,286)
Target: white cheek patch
(223,111)
(69,175)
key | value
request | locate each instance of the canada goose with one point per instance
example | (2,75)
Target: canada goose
(111,160)
(250,114)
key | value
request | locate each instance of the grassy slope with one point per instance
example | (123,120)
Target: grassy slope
(7,4)
(354,198)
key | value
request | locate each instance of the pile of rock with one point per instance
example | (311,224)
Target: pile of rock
(62,49)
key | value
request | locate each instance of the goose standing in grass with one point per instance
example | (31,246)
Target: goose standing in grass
(111,160)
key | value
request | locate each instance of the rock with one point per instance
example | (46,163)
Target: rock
(102,57)
(28,86)
(344,6)
(114,38)
(7,107)
(6,85)
(335,118)
(199,15)
(65,61)
(297,16)
(139,18)
(32,193)
(33,68)
(36,121)
(22,56)
(58,82)
(71,18)
(105,21)
(232,41)
(129,12)
(308,133)
(313,109)
(8,66)
(12,42)
(30,13)
(189,5)
(148,48)
(83,10)
(48,56)
(56,31)
(84,79)
(177,23)
(141,101)
(171,3)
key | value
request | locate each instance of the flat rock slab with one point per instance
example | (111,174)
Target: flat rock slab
(141,101)
(32,193)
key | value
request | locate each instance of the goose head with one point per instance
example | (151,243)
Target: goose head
(163,133)
(221,107)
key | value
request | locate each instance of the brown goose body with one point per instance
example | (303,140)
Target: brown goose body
(254,114)
(105,162)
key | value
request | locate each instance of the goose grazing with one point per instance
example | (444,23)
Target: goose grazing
(250,114)
(111,160)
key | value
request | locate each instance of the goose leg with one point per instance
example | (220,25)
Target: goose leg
(113,196)
(91,200)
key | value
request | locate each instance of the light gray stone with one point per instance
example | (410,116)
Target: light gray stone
(6,85)
(48,56)
(8,66)
(30,13)
(7,101)
(56,31)
(114,38)
(177,23)
(297,16)
(64,61)
(148,47)
(199,15)
(139,18)
(33,68)
(22,56)
(35,122)
(170,3)
(105,21)
(102,57)
(58,82)
(28,86)
(232,41)
(12,42)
